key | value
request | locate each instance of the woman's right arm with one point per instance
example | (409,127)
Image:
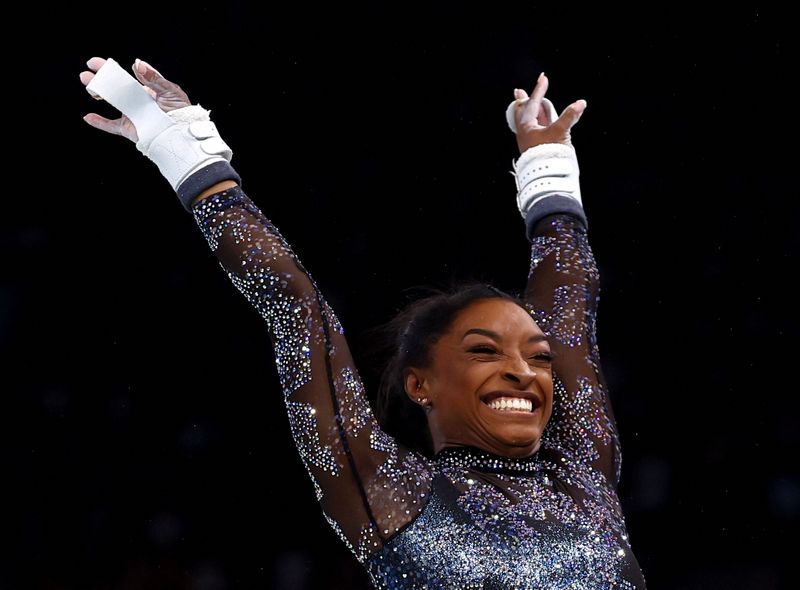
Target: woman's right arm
(367,486)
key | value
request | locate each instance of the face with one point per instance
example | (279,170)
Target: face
(490,381)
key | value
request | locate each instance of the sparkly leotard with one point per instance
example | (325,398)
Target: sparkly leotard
(464,519)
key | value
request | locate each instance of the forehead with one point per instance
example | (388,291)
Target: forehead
(497,315)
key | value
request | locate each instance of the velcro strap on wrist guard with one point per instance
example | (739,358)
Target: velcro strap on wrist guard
(191,143)
(544,170)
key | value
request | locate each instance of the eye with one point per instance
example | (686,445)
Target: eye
(543,357)
(483,349)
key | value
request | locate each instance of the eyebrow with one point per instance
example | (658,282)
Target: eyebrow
(495,336)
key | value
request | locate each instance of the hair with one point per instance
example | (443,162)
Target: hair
(408,340)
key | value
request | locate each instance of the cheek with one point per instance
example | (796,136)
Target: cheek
(459,387)
(467,373)
(474,375)
(546,385)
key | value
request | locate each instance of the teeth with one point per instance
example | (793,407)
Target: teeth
(512,404)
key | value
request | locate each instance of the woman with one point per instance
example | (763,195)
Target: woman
(518,486)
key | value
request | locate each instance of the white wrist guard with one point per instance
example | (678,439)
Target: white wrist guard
(545,170)
(180,142)
(191,143)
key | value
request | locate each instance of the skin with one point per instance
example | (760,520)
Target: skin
(509,355)
(534,126)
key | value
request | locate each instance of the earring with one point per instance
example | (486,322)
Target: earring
(424,402)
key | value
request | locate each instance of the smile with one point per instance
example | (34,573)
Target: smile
(511,404)
(521,402)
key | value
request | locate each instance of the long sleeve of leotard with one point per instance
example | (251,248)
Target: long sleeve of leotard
(367,485)
(563,293)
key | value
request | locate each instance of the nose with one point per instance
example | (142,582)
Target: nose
(517,370)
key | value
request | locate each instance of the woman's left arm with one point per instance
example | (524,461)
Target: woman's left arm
(563,285)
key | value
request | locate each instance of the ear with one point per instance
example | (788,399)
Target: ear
(416,385)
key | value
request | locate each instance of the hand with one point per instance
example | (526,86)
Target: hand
(534,117)
(168,95)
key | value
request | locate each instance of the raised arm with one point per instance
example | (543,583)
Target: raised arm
(368,487)
(563,285)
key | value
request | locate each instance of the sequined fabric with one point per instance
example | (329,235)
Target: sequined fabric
(465,519)
(493,522)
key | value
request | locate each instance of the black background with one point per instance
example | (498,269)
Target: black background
(146,443)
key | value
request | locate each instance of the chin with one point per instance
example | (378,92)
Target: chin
(515,435)
(519,446)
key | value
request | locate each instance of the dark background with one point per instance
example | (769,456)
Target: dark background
(146,444)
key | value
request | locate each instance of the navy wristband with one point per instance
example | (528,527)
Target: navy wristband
(203,179)
(550,206)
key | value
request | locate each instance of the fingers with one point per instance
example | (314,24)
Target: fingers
(145,73)
(535,112)
(570,116)
(108,125)
(542,83)
(530,111)
(86,77)
(93,64)
(535,119)
(169,95)
(547,113)
(152,78)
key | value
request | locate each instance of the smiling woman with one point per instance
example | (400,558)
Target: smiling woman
(477,364)
(484,379)
(518,487)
